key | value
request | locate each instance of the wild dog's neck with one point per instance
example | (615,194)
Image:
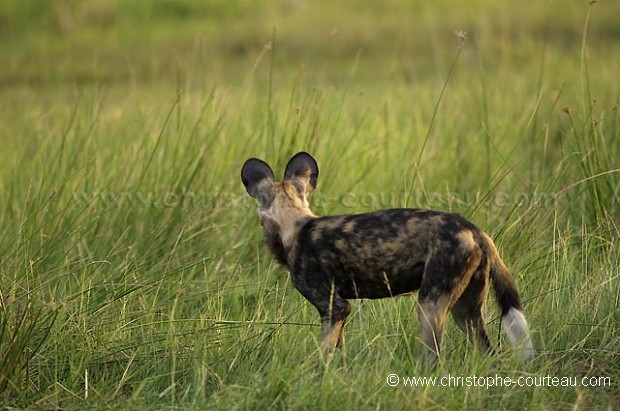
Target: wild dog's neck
(281,233)
(286,224)
(275,243)
(282,215)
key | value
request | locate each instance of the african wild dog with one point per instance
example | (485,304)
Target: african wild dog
(383,254)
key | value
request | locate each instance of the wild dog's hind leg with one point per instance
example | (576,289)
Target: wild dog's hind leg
(467,310)
(447,272)
(432,310)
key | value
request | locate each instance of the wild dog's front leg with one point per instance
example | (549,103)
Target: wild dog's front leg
(332,324)
(321,292)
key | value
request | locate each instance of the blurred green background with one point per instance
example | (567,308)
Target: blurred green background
(125,42)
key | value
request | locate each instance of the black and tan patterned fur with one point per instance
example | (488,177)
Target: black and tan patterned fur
(383,254)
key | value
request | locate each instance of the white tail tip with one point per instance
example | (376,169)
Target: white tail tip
(516,327)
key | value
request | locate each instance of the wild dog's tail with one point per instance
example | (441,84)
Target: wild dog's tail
(513,320)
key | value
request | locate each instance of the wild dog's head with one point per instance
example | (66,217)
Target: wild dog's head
(282,205)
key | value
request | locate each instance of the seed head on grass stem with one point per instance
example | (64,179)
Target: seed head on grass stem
(461,35)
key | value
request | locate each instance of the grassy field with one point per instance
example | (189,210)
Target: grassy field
(133,273)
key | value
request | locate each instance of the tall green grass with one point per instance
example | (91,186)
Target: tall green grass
(132,269)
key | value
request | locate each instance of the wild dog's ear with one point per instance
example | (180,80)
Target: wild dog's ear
(303,171)
(257,178)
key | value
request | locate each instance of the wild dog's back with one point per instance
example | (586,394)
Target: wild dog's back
(374,255)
